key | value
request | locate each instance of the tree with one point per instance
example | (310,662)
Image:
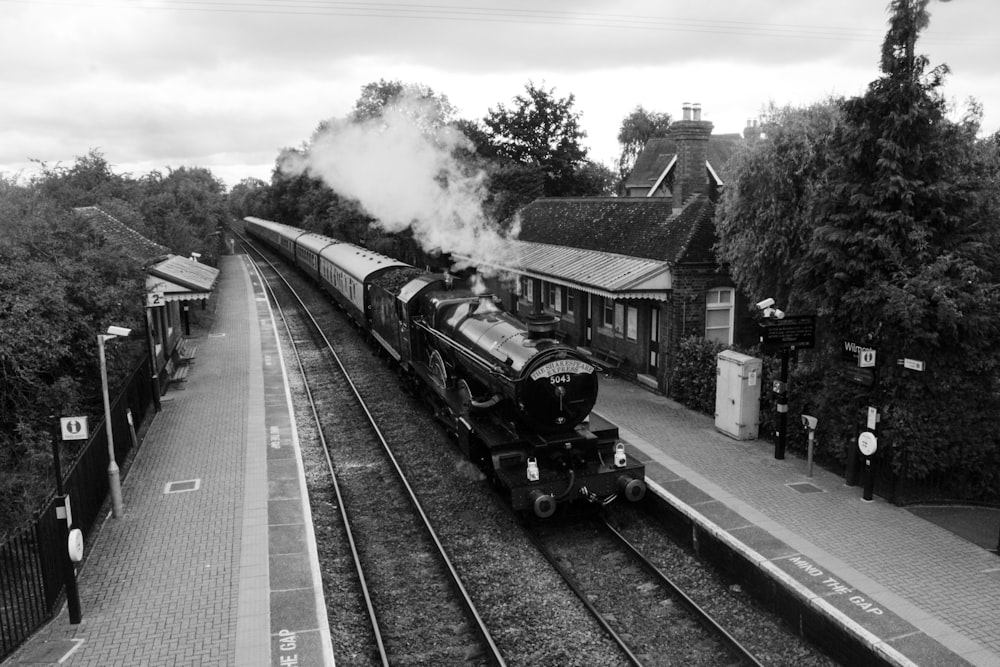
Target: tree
(59,284)
(904,196)
(591,179)
(637,128)
(249,197)
(184,209)
(543,130)
(434,109)
(767,213)
(88,182)
(883,222)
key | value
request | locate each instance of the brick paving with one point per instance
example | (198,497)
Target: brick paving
(160,585)
(183,577)
(942,584)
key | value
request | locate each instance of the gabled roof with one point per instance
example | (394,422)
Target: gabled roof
(179,279)
(602,273)
(171,277)
(659,152)
(132,243)
(647,228)
(616,247)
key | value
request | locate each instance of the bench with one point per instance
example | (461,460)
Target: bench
(184,353)
(606,359)
(180,374)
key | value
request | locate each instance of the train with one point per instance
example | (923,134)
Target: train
(518,401)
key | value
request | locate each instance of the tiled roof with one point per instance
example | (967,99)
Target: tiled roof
(132,243)
(658,151)
(640,227)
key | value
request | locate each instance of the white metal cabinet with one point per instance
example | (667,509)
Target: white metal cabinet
(737,395)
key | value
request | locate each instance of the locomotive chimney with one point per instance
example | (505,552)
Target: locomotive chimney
(541,325)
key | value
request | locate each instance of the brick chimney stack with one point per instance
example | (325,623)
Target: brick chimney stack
(691,134)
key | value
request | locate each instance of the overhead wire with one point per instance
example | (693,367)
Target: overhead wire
(493,14)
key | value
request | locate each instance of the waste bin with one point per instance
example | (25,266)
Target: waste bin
(737,395)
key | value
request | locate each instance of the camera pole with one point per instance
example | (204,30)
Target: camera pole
(781,389)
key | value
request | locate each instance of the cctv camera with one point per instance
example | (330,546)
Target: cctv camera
(809,422)
(777,313)
(118,331)
(766,303)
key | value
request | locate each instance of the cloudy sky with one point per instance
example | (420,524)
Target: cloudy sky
(225,84)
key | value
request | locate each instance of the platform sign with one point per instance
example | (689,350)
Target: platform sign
(74,428)
(154,299)
(867,443)
(859,362)
(795,332)
(856,353)
(862,376)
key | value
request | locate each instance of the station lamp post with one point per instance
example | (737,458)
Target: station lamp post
(114,478)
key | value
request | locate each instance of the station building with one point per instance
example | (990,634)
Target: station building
(629,277)
(173,283)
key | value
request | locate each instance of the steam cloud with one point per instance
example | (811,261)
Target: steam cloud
(402,169)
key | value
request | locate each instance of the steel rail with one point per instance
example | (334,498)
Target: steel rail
(706,619)
(582,595)
(418,507)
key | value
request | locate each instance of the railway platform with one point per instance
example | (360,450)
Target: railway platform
(915,593)
(213,561)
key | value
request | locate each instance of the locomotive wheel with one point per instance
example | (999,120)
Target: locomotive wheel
(438,371)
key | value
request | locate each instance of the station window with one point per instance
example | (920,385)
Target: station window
(570,302)
(719,315)
(632,323)
(527,289)
(609,313)
(619,319)
(555,298)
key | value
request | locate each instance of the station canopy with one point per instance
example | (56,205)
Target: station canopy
(181,279)
(605,274)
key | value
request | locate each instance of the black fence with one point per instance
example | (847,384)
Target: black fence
(31,580)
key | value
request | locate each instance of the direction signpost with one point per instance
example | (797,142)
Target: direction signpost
(784,335)
(70,428)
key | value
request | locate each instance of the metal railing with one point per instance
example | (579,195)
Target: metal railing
(31,581)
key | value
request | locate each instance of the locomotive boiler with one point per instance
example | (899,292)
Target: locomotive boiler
(518,401)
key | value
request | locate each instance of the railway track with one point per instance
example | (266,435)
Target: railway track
(660,604)
(650,617)
(534,617)
(417,606)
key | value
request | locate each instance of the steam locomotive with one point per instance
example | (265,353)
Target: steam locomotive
(517,400)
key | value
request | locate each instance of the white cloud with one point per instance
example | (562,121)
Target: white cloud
(219,85)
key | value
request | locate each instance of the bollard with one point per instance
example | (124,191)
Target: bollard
(810,423)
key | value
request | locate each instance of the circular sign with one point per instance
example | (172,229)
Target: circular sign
(75,545)
(74,428)
(867,443)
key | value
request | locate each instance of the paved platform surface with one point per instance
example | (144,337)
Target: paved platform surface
(213,562)
(921,594)
(220,572)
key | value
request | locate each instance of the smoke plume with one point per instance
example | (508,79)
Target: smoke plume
(401,168)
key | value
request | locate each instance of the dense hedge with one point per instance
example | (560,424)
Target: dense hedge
(692,381)
(929,457)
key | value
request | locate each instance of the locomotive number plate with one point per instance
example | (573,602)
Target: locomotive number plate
(561,366)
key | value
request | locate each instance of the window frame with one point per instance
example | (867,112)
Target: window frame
(718,305)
